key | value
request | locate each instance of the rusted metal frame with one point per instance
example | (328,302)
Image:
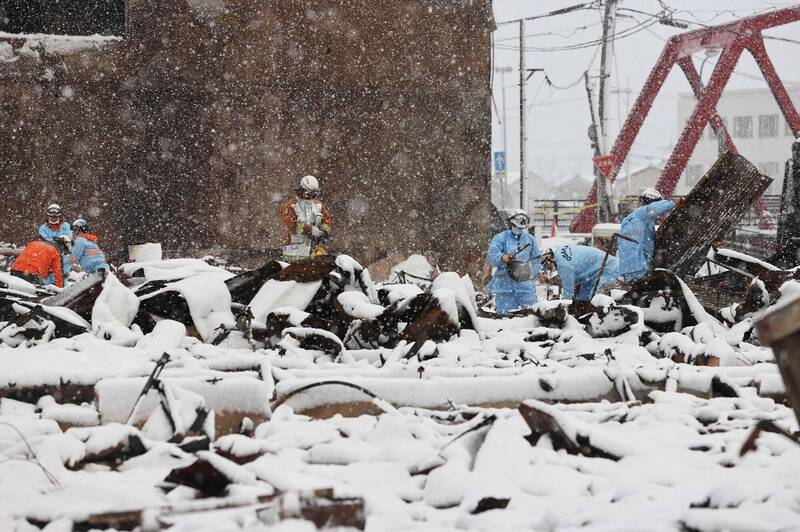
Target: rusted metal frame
(642,106)
(687,65)
(680,46)
(694,128)
(585,219)
(759,53)
(723,35)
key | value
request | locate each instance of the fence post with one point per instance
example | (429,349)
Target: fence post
(555,214)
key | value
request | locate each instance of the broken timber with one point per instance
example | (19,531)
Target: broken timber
(780,329)
(543,423)
(712,209)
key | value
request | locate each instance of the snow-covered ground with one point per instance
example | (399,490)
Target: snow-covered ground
(431,442)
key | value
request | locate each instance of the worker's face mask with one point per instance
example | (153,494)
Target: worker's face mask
(516,231)
(306,194)
(53,220)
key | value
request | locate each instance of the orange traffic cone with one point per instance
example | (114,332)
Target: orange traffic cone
(554,227)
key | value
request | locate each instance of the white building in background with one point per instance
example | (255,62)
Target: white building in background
(759,131)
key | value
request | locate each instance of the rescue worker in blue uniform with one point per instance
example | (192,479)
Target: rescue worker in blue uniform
(55,227)
(510,294)
(638,230)
(85,250)
(578,267)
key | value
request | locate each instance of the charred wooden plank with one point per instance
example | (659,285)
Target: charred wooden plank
(433,323)
(201,475)
(712,209)
(308,270)
(79,297)
(541,423)
(326,511)
(246,285)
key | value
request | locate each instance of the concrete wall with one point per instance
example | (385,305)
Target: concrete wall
(194,127)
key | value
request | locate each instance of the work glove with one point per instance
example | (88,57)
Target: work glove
(680,202)
(316,232)
(508,259)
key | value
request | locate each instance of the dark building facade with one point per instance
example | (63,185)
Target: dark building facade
(198,122)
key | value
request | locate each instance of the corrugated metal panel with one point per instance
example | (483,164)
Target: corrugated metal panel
(712,209)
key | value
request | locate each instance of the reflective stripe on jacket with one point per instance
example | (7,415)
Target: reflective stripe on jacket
(295,214)
(87,253)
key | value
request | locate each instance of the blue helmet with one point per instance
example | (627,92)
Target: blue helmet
(80,225)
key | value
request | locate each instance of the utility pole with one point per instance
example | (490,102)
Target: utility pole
(594,137)
(504,175)
(523,78)
(627,92)
(523,134)
(606,59)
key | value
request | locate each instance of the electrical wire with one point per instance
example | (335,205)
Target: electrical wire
(555,33)
(53,480)
(578,80)
(536,94)
(627,32)
(562,11)
(696,22)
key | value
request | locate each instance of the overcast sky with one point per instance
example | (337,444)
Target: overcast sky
(558,119)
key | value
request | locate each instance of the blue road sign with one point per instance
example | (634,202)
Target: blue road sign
(499,161)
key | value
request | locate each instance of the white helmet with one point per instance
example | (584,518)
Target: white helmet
(310,184)
(54,209)
(519,218)
(650,195)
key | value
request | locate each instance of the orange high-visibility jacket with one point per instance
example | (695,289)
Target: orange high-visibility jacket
(289,217)
(40,258)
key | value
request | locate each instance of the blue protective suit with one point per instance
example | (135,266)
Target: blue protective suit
(88,254)
(640,225)
(510,294)
(580,265)
(49,234)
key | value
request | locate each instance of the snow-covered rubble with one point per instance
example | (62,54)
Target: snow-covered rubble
(676,464)
(404,397)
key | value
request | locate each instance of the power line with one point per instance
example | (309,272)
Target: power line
(562,11)
(696,22)
(555,33)
(579,79)
(627,32)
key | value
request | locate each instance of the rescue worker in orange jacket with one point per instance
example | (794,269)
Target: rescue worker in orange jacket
(307,221)
(39,260)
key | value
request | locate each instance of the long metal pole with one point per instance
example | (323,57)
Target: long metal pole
(599,189)
(504,179)
(523,135)
(606,60)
